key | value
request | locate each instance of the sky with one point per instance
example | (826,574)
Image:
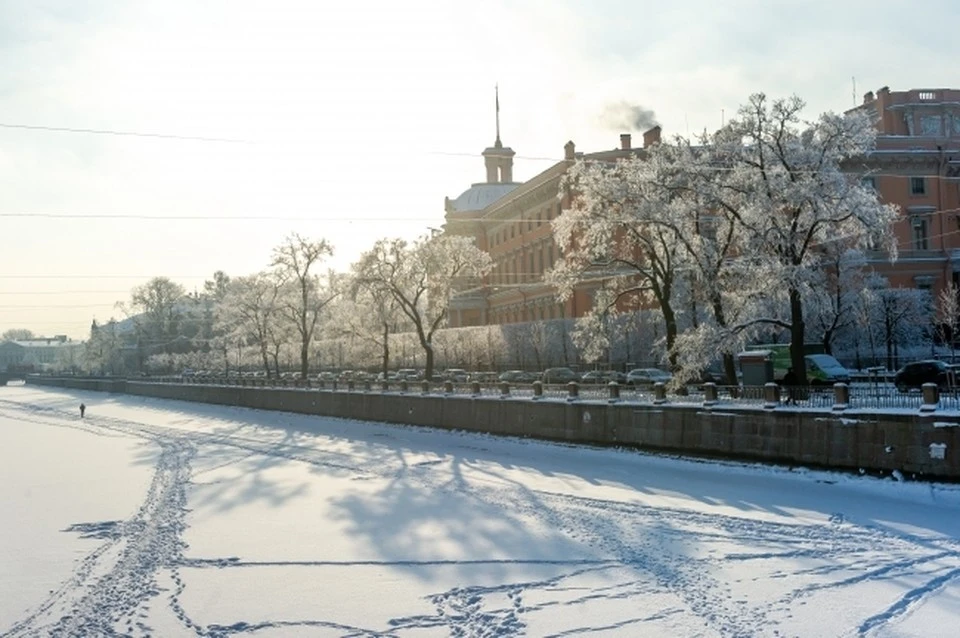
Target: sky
(224,126)
(153,517)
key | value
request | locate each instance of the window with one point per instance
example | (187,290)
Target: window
(931,125)
(927,95)
(869,182)
(918,186)
(550,255)
(919,233)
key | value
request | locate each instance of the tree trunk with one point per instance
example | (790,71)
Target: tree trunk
(670,321)
(797,332)
(888,337)
(729,363)
(386,350)
(266,359)
(428,370)
(304,358)
(729,368)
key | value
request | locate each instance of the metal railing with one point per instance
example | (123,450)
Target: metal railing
(854,396)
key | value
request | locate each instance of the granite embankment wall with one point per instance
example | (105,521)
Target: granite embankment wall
(926,445)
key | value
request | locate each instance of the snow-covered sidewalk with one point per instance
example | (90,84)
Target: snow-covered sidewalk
(165,518)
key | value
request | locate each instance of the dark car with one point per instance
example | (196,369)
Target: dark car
(914,375)
(559,375)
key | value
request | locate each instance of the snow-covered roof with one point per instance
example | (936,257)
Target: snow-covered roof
(481,195)
(43,343)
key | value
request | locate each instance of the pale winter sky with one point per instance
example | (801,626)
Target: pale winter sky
(353,121)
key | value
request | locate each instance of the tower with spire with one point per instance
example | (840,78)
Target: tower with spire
(498,158)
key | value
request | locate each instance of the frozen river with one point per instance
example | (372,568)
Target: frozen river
(164,518)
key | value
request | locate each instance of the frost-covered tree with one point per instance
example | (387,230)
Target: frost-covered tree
(16,334)
(103,349)
(900,315)
(296,260)
(617,234)
(948,315)
(833,294)
(783,180)
(157,308)
(248,312)
(370,314)
(420,277)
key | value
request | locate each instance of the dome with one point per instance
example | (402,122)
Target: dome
(481,195)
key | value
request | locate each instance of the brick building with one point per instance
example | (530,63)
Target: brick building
(916,165)
(511,222)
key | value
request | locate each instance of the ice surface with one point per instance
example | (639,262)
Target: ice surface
(154,517)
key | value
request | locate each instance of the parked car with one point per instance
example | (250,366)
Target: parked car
(518,376)
(559,375)
(409,374)
(457,375)
(603,376)
(822,369)
(648,376)
(913,375)
(593,376)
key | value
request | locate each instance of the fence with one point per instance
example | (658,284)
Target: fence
(874,395)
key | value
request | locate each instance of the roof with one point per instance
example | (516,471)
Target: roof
(43,343)
(481,195)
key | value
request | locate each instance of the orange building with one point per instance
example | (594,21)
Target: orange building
(916,165)
(511,222)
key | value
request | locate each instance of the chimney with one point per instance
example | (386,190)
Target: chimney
(651,137)
(625,143)
(568,150)
(868,97)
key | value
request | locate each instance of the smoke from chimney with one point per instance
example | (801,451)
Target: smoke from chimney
(623,115)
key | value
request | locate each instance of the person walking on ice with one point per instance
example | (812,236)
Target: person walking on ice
(83,409)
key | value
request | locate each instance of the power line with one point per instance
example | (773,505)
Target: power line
(164,136)
(164,217)
(219,140)
(229,140)
(35,307)
(101,277)
(67,292)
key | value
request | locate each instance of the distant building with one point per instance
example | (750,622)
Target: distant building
(916,165)
(37,354)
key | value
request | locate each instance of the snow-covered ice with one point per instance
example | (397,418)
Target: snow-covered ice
(166,518)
